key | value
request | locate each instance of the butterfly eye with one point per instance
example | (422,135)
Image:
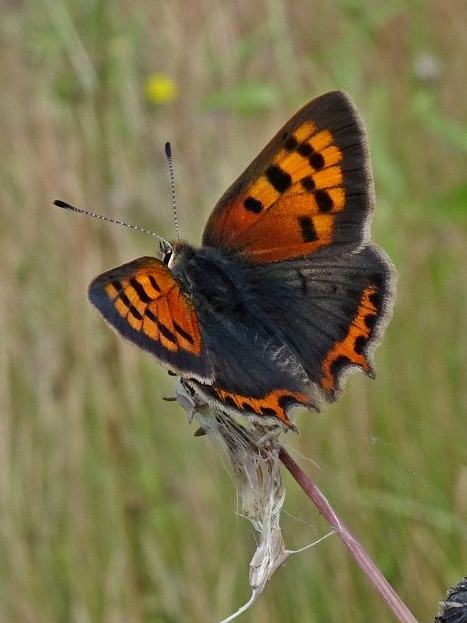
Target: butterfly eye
(166,251)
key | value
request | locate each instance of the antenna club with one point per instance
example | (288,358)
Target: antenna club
(62,204)
(168,150)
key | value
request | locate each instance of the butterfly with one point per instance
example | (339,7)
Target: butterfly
(286,293)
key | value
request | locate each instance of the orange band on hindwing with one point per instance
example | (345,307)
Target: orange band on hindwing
(350,350)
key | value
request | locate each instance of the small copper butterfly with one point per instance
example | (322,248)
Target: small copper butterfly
(286,293)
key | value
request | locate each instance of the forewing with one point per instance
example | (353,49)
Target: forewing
(309,188)
(145,304)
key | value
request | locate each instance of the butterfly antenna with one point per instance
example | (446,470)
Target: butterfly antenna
(168,153)
(67,206)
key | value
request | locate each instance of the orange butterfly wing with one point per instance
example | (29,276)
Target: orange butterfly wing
(297,319)
(144,302)
(309,188)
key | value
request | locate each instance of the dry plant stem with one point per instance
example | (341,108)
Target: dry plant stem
(374,575)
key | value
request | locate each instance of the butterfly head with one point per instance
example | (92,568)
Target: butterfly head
(166,251)
(176,252)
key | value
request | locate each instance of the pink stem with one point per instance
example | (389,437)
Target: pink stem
(374,575)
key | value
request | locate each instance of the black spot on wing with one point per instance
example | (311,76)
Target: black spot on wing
(117,285)
(287,401)
(323,200)
(316,160)
(359,344)
(154,283)
(125,300)
(338,364)
(290,143)
(140,291)
(308,184)
(162,328)
(186,336)
(370,321)
(253,205)
(279,179)
(135,313)
(307,229)
(305,150)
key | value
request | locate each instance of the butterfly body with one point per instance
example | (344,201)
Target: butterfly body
(286,293)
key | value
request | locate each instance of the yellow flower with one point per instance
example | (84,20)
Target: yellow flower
(160,89)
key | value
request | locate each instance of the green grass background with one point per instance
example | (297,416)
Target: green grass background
(110,510)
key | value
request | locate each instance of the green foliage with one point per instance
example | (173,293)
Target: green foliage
(110,510)
(246,98)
